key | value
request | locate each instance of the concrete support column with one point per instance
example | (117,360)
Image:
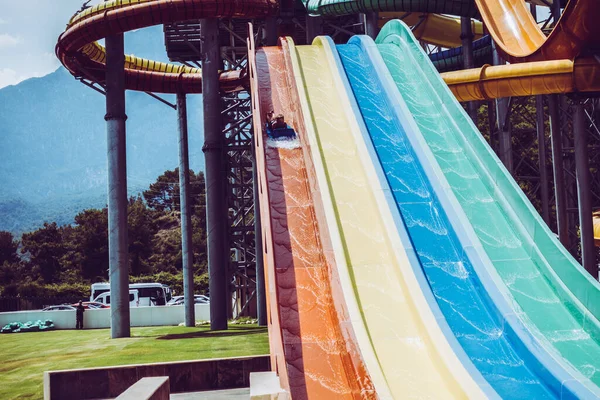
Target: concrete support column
(371,23)
(466,35)
(187,253)
(558,170)
(584,193)
(118,255)
(541,136)
(261,297)
(216,207)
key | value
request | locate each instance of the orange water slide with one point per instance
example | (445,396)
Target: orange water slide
(520,39)
(83,57)
(313,348)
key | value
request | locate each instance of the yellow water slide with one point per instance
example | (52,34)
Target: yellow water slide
(410,348)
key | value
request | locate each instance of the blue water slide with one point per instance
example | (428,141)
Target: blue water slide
(476,315)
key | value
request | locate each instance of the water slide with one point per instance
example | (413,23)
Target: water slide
(411,349)
(550,292)
(313,346)
(453,265)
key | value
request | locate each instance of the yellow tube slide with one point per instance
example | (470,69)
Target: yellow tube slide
(525,79)
(410,348)
(435,29)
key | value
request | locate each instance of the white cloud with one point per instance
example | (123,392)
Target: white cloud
(7,40)
(3,21)
(8,77)
(44,65)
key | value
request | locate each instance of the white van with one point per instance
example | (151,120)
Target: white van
(134,298)
(149,294)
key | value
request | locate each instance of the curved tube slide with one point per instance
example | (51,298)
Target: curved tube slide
(525,79)
(78,52)
(435,29)
(520,39)
(411,349)
(313,346)
(554,297)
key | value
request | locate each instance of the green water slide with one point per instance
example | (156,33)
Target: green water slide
(552,294)
(463,8)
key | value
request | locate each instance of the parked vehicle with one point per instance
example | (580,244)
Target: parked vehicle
(62,307)
(149,294)
(134,300)
(198,299)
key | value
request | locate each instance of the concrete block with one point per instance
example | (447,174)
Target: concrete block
(156,388)
(265,386)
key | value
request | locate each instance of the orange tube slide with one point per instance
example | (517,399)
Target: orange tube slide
(525,79)
(520,39)
(313,348)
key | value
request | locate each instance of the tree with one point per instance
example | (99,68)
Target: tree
(45,248)
(91,243)
(163,195)
(8,248)
(141,229)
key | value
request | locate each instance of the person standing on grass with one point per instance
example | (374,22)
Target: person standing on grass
(79,313)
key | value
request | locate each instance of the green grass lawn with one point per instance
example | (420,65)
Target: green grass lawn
(25,356)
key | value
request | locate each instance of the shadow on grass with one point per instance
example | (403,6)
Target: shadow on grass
(232,331)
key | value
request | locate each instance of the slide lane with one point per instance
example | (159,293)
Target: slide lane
(411,349)
(486,328)
(552,294)
(312,343)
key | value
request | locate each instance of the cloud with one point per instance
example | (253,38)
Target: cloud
(7,40)
(44,64)
(3,21)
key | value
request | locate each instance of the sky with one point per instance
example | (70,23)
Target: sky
(28,33)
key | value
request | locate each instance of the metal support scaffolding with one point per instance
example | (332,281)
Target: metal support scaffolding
(215,176)
(187,254)
(261,299)
(118,257)
(584,194)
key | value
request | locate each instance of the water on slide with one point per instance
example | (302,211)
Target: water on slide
(473,319)
(404,341)
(321,357)
(546,306)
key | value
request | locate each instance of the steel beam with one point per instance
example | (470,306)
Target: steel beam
(187,253)
(541,136)
(216,216)
(261,297)
(503,123)
(558,169)
(118,257)
(584,193)
(466,36)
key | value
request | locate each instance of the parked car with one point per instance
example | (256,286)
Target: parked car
(91,305)
(61,307)
(198,299)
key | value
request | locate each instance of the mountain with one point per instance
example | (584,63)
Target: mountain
(53,143)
